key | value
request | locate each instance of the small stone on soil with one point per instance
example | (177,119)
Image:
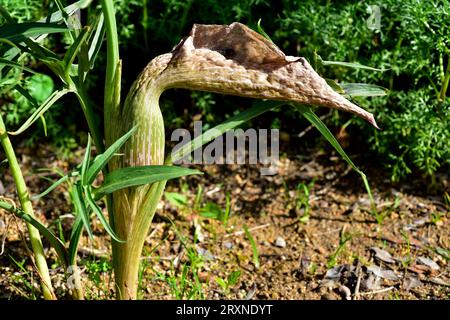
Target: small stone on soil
(382,255)
(280,242)
(411,283)
(228,245)
(428,262)
(383,273)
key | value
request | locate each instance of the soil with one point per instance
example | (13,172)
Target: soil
(328,247)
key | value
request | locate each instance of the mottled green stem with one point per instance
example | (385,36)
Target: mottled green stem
(27,207)
(134,208)
(128,255)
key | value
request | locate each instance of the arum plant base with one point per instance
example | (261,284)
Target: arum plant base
(225,59)
(127,256)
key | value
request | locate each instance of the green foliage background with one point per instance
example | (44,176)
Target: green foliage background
(412,44)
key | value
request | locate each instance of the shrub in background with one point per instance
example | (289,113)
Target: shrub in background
(412,43)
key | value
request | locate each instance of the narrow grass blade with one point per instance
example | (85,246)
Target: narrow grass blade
(42,53)
(51,188)
(336,87)
(258,109)
(26,95)
(18,32)
(91,202)
(254,247)
(102,160)
(135,176)
(70,55)
(9,55)
(85,163)
(54,17)
(80,207)
(96,40)
(363,90)
(54,241)
(5,62)
(55,96)
(261,31)
(316,122)
(70,10)
(75,236)
(350,65)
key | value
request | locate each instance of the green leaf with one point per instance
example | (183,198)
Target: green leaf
(54,17)
(91,202)
(51,188)
(350,65)
(135,176)
(18,32)
(176,199)
(101,160)
(5,62)
(326,133)
(75,237)
(27,95)
(41,110)
(254,247)
(261,31)
(363,90)
(80,207)
(335,86)
(40,87)
(70,10)
(70,55)
(221,283)
(212,210)
(233,278)
(97,40)
(9,55)
(259,108)
(318,59)
(54,241)
(45,55)
(85,163)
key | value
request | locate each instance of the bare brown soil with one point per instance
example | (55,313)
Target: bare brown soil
(403,257)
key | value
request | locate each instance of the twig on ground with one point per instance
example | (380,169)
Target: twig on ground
(93,252)
(238,233)
(358,282)
(376,291)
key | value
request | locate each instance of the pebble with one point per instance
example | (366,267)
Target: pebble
(428,262)
(345,292)
(228,245)
(328,296)
(411,283)
(203,276)
(205,253)
(280,242)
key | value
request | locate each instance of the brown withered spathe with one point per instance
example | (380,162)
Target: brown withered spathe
(225,59)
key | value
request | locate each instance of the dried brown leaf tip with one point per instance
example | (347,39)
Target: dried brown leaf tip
(234,59)
(237,42)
